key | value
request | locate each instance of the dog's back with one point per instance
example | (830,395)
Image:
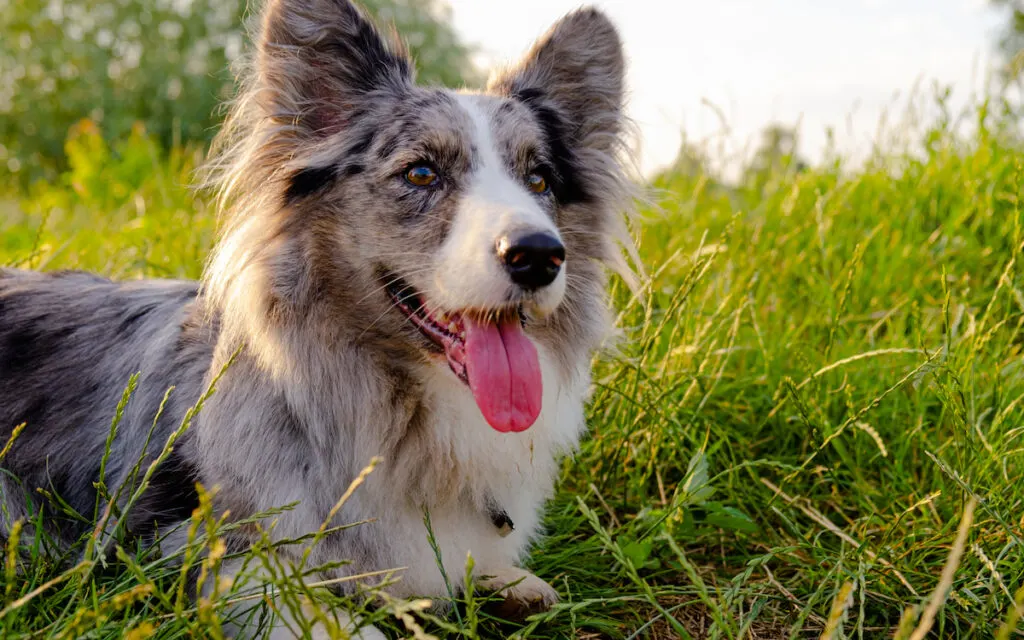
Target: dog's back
(69,343)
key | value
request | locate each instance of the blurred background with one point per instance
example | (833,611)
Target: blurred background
(100,98)
(699,71)
(724,70)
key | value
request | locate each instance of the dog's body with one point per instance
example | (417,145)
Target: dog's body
(262,444)
(405,273)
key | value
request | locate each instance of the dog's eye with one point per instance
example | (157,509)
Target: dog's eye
(537,183)
(421,175)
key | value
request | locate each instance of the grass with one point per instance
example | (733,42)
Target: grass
(813,425)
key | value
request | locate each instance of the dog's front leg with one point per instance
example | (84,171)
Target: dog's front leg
(523,593)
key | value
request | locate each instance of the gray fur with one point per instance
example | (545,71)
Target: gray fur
(329,374)
(69,342)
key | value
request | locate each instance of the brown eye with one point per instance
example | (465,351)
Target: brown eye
(421,175)
(537,183)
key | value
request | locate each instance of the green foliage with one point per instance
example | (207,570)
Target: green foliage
(818,374)
(129,204)
(163,63)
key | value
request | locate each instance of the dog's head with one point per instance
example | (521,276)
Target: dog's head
(468,227)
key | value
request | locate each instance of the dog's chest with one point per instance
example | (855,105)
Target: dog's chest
(505,462)
(502,479)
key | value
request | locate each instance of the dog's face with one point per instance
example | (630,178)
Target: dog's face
(461,195)
(474,197)
(469,226)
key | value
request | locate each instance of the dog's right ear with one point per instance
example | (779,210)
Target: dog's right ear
(318,59)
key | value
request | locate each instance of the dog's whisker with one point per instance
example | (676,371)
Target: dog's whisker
(405,319)
(394,280)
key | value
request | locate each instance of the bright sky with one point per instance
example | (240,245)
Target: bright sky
(819,63)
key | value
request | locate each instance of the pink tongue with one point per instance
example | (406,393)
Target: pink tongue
(504,374)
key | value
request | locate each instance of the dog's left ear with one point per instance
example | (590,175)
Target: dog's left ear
(575,73)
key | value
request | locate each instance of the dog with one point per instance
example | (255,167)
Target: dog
(406,273)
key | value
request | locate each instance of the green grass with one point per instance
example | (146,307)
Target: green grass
(823,370)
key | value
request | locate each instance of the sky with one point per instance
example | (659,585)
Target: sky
(815,63)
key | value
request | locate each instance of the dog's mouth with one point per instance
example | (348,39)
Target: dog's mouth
(489,352)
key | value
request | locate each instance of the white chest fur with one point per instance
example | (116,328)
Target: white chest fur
(511,472)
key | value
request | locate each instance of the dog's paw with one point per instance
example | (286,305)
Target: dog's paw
(522,592)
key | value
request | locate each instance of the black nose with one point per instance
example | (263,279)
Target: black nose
(532,260)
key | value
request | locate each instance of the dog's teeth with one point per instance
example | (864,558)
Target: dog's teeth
(451,327)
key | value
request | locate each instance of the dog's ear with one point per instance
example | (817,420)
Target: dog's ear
(576,73)
(318,60)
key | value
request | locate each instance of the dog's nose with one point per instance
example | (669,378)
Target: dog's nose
(532,260)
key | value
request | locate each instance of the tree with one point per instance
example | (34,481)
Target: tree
(1011,42)
(164,63)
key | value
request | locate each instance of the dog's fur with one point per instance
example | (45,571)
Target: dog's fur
(328,373)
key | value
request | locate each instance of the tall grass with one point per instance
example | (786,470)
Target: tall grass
(819,381)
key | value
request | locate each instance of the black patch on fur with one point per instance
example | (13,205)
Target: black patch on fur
(170,498)
(388,147)
(27,346)
(420,103)
(500,520)
(22,346)
(353,169)
(355,154)
(130,321)
(362,145)
(566,184)
(366,52)
(197,331)
(34,415)
(309,181)
(290,424)
(313,180)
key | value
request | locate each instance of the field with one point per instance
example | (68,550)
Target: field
(812,425)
